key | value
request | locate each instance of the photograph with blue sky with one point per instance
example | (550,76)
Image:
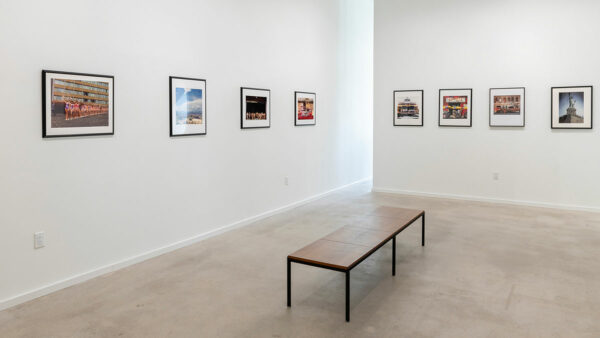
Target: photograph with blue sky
(563,103)
(188,105)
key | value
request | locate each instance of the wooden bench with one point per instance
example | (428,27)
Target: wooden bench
(346,247)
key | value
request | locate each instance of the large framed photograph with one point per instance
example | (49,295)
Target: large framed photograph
(187,100)
(455,108)
(572,107)
(255,108)
(305,109)
(408,108)
(77,104)
(507,107)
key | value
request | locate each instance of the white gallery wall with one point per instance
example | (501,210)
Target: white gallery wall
(105,200)
(437,44)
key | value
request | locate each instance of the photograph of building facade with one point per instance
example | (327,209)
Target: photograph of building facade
(455,107)
(407,108)
(305,108)
(77,103)
(483,221)
(507,104)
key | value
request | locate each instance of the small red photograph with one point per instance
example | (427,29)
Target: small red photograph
(305,108)
(507,104)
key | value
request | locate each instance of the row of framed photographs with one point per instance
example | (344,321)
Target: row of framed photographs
(571,107)
(78,104)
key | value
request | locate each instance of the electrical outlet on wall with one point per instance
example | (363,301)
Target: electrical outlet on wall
(38,240)
(495,176)
(286,181)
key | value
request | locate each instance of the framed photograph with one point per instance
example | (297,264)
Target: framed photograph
(455,108)
(305,109)
(255,108)
(187,100)
(572,107)
(507,107)
(408,108)
(77,104)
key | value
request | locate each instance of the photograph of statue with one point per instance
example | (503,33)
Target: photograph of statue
(572,107)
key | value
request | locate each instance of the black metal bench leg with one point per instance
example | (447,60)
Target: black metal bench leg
(423,231)
(348,295)
(394,256)
(289,283)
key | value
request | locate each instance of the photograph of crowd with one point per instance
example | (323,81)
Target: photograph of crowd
(256,108)
(76,104)
(455,107)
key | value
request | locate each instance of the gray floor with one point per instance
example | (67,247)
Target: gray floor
(487,271)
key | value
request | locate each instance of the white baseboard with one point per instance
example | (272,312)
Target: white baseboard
(79,278)
(487,199)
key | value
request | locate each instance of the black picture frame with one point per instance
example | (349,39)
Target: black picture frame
(242,89)
(470,108)
(552,112)
(205,105)
(314,122)
(45,112)
(523,106)
(394,108)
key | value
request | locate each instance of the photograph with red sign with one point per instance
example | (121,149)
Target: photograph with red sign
(455,107)
(507,107)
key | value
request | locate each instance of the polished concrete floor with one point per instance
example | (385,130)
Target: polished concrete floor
(487,271)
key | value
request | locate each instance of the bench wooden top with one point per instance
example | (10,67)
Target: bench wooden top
(347,246)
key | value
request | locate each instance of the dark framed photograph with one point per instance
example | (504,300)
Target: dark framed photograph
(305,109)
(408,107)
(572,107)
(255,108)
(507,107)
(455,108)
(187,101)
(77,104)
